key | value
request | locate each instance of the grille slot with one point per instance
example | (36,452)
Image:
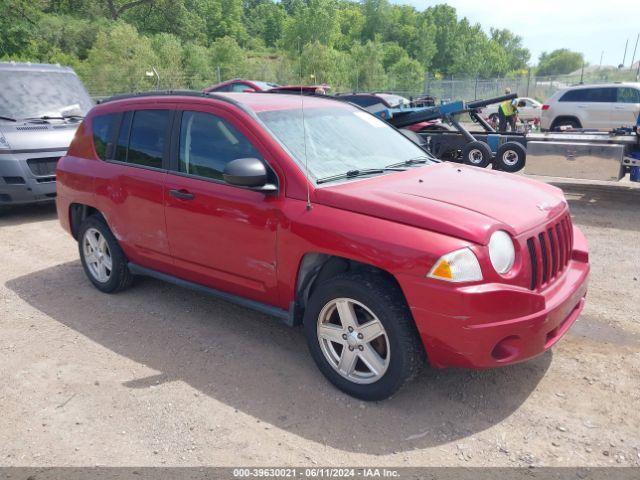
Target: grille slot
(46,179)
(14,180)
(32,128)
(550,252)
(44,166)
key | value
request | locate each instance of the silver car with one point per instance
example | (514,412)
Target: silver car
(41,107)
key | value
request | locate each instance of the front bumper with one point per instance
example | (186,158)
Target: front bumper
(489,325)
(19,184)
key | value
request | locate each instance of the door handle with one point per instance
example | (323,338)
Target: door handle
(182,194)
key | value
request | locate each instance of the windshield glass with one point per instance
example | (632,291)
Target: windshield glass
(28,94)
(395,101)
(339,139)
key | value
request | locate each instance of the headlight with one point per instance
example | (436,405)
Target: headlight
(459,266)
(3,142)
(501,252)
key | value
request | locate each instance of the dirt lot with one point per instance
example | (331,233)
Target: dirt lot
(159,375)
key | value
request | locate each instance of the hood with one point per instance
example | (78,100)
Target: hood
(456,200)
(35,136)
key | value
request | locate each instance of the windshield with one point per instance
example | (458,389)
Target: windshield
(339,140)
(29,94)
(394,101)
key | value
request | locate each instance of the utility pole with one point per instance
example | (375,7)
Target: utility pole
(601,55)
(634,52)
(625,53)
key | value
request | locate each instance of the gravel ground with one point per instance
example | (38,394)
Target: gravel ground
(158,375)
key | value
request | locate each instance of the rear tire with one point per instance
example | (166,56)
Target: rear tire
(568,122)
(510,157)
(102,258)
(477,154)
(372,366)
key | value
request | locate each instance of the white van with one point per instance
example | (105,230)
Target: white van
(602,107)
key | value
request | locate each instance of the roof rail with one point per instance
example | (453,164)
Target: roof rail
(156,93)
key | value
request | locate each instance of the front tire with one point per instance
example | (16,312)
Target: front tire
(102,258)
(362,336)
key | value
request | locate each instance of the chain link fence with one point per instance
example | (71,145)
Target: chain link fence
(528,85)
(540,88)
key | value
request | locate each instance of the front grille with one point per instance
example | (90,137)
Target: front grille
(43,166)
(550,252)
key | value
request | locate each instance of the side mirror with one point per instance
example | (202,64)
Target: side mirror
(248,90)
(247,172)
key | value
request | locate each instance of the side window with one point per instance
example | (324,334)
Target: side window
(601,95)
(578,95)
(239,87)
(102,127)
(208,143)
(628,95)
(141,139)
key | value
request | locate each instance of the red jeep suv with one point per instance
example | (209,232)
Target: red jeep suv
(317,212)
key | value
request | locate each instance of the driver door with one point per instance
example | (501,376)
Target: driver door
(220,235)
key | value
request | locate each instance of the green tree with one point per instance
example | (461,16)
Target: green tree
(266,21)
(350,25)
(118,60)
(367,69)
(517,55)
(228,57)
(317,21)
(376,18)
(559,62)
(169,52)
(406,75)
(445,21)
(198,66)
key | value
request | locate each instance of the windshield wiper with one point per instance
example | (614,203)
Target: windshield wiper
(9,119)
(411,161)
(45,118)
(359,173)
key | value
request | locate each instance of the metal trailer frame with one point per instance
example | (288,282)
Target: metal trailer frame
(449,144)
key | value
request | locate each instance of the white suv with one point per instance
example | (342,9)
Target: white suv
(602,107)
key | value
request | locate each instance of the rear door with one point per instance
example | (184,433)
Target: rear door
(598,107)
(220,235)
(133,184)
(627,107)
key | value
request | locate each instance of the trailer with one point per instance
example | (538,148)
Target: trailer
(581,154)
(507,151)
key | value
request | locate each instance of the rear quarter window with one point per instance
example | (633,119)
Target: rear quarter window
(628,95)
(103,128)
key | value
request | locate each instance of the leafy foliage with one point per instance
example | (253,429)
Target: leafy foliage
(559,62)
(363,45)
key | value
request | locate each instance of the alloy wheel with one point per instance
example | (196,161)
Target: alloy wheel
(97,255)
(353,340)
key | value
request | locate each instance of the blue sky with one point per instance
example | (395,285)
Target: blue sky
(587,26)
